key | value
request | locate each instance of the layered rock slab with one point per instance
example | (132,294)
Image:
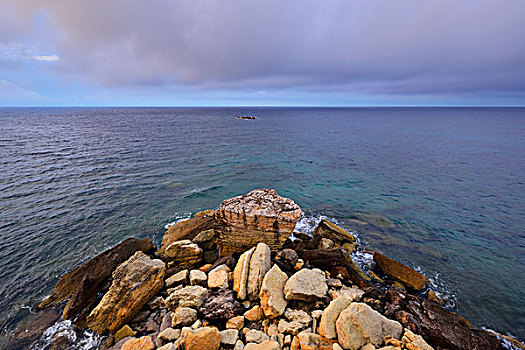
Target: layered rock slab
(250,271)
(331,231)
(135,282)
(259,216)
(401,272)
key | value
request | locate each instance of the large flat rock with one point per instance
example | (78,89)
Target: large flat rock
(259,216)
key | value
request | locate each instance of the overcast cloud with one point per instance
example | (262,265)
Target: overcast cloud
(402,48)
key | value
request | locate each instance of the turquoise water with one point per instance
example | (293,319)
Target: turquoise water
(76,181)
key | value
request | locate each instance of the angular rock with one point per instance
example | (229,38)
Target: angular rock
(354,294)
(183,316)
(326,229)
(298,316)
(259,216)
(96,271)
(265,345)
(143,343)
(124,332)
(330,315)
(236,322)
(187,229)
(401,272)
(260,264)
(240,273)
(183,252)
(169,334)
(292,328)
(359,324)
(272,298)
(415,342)
(135,282)
(198,278)
(254,314)
(218,277)
(325,243)
(306,285)
(312,341)
(180,277)
(255,336)
(205,338)
(205,239)
(221,305)
(35,325)
(229,337)
(287,258)
(193,296)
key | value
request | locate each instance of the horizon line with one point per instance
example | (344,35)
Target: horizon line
(266,106)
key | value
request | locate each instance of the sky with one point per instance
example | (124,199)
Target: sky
(262,53)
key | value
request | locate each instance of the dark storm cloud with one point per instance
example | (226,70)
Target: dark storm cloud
(393,47)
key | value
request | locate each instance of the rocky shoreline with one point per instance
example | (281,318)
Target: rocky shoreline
(239,278)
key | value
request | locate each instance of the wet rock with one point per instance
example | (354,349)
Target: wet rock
(259,216)
(330,315)
(218,277)
(60,342)
(35,325)
(272,298)
(312,341)
(135,282)
(95,271)
(229,337)
(192,296)
(236,322)
(328,230)
(198,278)
(265,345)
(183,252)
(221,305)
(180,277)
(187,229)
(183,316)
(205,338)
(359,324)
(306,285)
(260,264)
(400,272)
(255,336)
(143,343)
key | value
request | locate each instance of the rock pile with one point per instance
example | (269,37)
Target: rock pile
(263,291)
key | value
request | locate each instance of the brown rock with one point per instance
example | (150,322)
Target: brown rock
(236,322)
(400,272)
(240,274)
(205,338)
(124,332)
(135,282)
(254,314)
(326,229)
(35,325)
(221,305)
(206,239)
(259,216)
(187,229)
(265,345)
(286,259)
(272,298)
(143,343)
(95,270)
(183,252)
(312,341)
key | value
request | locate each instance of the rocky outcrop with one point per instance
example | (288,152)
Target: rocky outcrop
(359,324)
(135,282)
(183,252)
(250,270)
(81,280)
(272,298)
(187,229)
(306,285)
(407,275)
(336,234)
(259,216)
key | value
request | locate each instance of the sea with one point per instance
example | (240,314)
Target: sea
(450,183)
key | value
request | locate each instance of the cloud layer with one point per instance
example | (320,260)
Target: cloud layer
(406,47)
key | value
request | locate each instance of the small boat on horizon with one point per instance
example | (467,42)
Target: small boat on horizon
(246,117)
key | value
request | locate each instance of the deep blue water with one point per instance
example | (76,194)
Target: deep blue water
(75,181)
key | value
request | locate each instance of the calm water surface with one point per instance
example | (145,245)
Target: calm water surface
(76,181)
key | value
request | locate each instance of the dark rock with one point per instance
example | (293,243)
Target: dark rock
(206,239)
(209,257)
(227,260)
(86,293)
(407,275)
(96,270)
(35,325)
(287,258)
(166,321)
(439,327)
(221,305)
(60,342)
